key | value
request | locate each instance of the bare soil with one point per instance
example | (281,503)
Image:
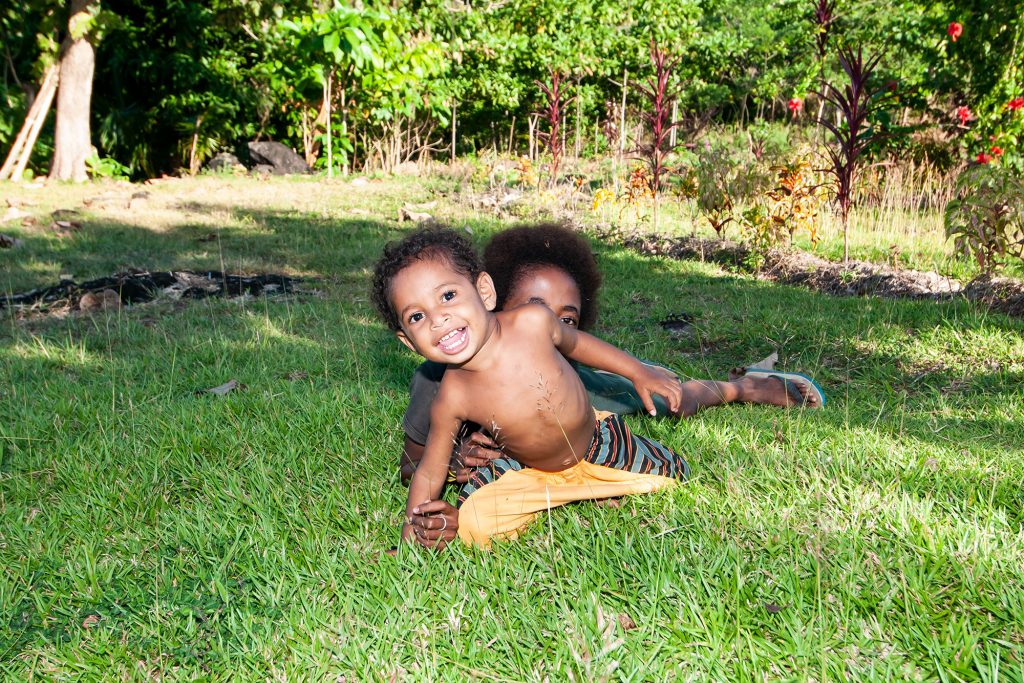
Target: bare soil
(855,278)
(135,287)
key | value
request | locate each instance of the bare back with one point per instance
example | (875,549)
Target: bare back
(524,392)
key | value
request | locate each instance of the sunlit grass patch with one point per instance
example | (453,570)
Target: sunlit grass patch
(150,529)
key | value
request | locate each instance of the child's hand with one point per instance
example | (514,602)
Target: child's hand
(664,383)
(476,450)
(408,532)
(434,524)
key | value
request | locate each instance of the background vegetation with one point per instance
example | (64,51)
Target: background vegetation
(228,71)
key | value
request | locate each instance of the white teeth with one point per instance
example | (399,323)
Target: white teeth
(448,336)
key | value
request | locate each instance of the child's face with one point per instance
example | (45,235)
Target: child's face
(445,317)
(552,287)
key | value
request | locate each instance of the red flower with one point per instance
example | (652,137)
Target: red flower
(954,30)
(983,158)
(964,114)
(1015,104)
(795,104)
(996,150)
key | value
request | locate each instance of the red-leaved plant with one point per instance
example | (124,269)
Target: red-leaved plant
(856,102)
(658,119)
(824,15)
(552,113)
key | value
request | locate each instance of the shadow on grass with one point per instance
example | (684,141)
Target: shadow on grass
(852,346)
(270,488)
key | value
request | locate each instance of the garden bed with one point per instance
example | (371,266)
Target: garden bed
(855,278)
(137,286)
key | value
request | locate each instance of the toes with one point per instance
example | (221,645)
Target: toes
(736,373)
(810,398)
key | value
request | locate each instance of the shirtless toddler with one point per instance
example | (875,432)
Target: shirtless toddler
(508,372)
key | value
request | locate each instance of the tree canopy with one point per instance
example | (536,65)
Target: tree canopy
(177,82)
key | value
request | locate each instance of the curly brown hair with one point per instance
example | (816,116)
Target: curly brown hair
(512,253)
(434,242)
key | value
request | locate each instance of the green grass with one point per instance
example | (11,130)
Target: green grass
(150,532)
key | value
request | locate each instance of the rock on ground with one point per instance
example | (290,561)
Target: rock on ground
(280,159)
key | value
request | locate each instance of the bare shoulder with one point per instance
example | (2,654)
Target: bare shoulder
(450,401)
(530,316)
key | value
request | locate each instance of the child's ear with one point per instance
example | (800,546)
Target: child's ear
(405,340)
(485,286)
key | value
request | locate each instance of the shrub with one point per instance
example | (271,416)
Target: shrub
(986,219)
(716,172)
(105,167)
(793,204)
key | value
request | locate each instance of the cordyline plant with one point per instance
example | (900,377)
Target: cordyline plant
(552,113)
(658,118)
(824,15)
(856,103)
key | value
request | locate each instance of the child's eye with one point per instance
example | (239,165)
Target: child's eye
(448,296)
(571,322)
(415,318)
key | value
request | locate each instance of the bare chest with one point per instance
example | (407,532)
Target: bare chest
(534,405)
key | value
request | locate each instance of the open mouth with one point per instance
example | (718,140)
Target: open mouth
(454,341)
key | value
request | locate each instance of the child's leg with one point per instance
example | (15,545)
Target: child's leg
(741,388)
(618,463)
(502,508)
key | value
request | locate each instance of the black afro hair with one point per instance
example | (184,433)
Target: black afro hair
(512,253)
(435,242)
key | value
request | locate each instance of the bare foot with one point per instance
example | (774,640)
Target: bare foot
(762,389)
(608,502)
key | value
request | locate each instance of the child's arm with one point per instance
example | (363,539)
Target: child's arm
(589,350)
(432,471)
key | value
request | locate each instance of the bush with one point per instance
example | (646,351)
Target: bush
(986,220)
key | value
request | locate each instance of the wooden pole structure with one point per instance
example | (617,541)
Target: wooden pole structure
(330,156)
(578,114)
(455,106)
(622,122)
(21,151)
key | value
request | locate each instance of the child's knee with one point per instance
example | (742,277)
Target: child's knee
(475,528)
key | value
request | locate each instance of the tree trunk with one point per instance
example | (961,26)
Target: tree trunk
(72,139)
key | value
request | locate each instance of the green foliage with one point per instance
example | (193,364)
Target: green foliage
(105,167)
(222,72)
(150,532)
(986,220)
(715,172)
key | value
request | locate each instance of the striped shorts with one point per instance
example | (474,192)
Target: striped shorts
(504,496)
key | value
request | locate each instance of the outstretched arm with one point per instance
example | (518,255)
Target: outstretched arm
(589,350)
(432,471)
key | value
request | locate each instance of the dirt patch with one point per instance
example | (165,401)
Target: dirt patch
(1000,293)
(856,278)
(135,287)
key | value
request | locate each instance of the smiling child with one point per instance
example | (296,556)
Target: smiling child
(508,372)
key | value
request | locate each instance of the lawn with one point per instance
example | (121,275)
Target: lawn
(148,531)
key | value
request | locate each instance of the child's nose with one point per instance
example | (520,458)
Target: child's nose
(439,319)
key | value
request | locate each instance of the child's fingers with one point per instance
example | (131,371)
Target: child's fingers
(645,398)
(432,507)
(675,396)
(432,522)
(481,439)
(480,451)
(478,459)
